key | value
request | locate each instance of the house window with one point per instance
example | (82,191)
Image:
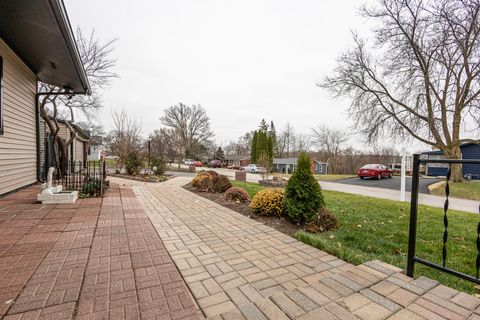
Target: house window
(1,95)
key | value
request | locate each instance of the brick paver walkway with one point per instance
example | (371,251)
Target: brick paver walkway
(237,268)
(95,259)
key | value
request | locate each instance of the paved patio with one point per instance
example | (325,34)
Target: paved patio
(96,259)
(237,268)
(158,251)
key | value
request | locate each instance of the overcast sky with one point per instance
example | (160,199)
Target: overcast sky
(242,60)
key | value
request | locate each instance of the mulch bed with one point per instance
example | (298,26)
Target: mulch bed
(280,224)
(139,177)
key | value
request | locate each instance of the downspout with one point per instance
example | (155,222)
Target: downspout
(37,128)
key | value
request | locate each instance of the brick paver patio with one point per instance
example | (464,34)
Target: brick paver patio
(142,253)
(237,268)
(96,259)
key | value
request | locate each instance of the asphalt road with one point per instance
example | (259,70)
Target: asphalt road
(181,173)
(393,183)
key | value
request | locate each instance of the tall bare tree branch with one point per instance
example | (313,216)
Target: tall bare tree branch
(420,75)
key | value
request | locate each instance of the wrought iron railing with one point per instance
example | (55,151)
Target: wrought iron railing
(411,257)
(88,178)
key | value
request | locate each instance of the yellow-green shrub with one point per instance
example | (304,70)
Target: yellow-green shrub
(268,202)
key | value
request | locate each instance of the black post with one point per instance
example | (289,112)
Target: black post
(412,237)
(149,152)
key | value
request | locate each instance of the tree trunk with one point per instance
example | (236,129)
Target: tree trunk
(455,153)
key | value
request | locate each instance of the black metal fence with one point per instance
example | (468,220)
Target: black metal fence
(88,178)
(412,258)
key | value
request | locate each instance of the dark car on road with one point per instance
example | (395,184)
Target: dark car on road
(215,164)
(377,171)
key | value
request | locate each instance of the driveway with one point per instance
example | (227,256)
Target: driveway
(393,183)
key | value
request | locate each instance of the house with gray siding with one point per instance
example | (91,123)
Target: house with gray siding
(288,165)
(469,151)
(36,44)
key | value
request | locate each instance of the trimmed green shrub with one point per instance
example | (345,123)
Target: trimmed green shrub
(91,186)
(303,195)
(268,202)
(158,166)
(132,164)
(237,195)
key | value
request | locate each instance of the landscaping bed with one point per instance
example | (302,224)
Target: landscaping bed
(280,224)
(143,178)
(372,228)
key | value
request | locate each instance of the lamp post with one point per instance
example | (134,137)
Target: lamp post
(149,150)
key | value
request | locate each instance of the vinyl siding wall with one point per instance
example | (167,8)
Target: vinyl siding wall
(79,154)
(18,143)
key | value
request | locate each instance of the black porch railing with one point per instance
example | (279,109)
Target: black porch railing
(88,178)
(411,257)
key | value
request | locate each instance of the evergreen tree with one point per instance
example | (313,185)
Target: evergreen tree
(303,195)
(261,146)
(263,126)
(272,133)
(253,150)
(219,155)
(269,150)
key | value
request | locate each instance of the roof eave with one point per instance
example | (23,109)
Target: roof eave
(63,22)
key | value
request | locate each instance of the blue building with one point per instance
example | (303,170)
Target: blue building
(469,151)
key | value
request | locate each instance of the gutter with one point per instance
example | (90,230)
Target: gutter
(58,9)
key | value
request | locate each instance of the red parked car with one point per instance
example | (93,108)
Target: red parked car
(215,164)
(377,171)
(197,164)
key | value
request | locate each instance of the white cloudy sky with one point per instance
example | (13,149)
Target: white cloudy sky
(242,60)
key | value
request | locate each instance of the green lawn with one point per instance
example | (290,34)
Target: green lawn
(333,177)
(465,190)
(373,228)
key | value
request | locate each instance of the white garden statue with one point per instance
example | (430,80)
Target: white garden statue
(55,195)
(50,177)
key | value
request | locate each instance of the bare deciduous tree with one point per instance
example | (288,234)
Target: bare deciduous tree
(95,129)
(191,125)
(330,142)
(303,142)
(58,103)
(421,75)
(286,141)
(125,137)
(164,144)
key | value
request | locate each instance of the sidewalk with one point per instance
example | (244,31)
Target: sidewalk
(237,268)
(425,199)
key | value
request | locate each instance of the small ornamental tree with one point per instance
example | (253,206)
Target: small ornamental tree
(303,195)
